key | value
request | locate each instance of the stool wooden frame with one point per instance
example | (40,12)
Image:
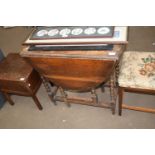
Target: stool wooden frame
(134,90)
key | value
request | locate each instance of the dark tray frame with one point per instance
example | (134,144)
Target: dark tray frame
(46,37)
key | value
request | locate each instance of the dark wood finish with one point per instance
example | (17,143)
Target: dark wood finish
(120,91)
(134,90)
(37,102)
(91,102)
(62,67)
(68,74)
(94,96)
(47,86)
(64,95)
(113,92)
(84,102)
(52,92)
(18,77)
(7,96)
(76,71)
(97,55)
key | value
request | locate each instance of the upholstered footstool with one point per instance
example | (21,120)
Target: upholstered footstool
(18,77)
(137,74)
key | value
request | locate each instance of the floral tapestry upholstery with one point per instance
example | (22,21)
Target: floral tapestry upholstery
(137,70)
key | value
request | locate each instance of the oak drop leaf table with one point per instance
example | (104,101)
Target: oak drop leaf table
(76,63)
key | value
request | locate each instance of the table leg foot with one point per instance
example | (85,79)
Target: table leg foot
(8,98)
(37,102)
(64,96)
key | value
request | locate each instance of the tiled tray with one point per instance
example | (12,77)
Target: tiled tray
(66,32)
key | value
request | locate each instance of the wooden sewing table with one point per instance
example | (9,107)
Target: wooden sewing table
(77,70)
(18,77)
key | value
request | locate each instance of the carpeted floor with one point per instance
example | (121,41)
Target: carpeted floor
(24,114)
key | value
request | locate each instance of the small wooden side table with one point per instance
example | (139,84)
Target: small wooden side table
(18,77)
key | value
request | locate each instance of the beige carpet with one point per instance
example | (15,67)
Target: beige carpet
(24,114)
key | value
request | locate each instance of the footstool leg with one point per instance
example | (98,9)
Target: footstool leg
(7,96)
(120,91)
(37,102)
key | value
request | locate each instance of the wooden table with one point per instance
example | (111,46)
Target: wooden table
(18,77)
(77,70)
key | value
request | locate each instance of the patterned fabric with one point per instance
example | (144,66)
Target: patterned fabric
(137,70)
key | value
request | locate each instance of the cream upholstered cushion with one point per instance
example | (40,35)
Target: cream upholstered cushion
(137,70)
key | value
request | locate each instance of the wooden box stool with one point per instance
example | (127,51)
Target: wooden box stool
(137,74)
(18,77)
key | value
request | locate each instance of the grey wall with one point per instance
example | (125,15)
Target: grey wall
(140,38)
(11,39)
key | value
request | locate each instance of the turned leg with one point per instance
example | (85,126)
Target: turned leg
(112,93)
(54,94)
(117,72)
(37,102)
(64,96)
(120,92)
(8,98)
(94,96)
(48,90)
